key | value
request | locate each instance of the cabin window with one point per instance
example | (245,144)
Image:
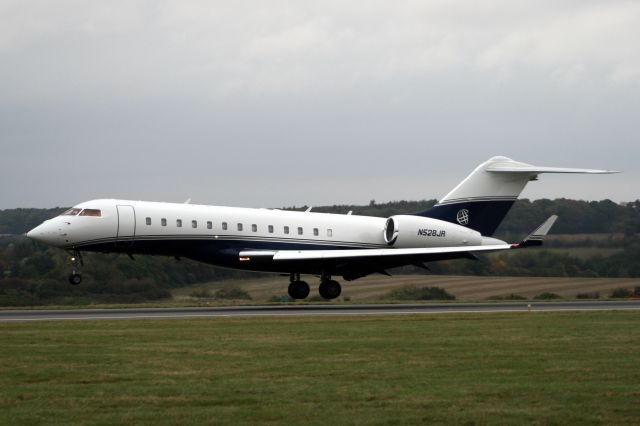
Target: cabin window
(329,233)
(286,229)
(148,220)
(179,223)
(224,226)
(209,225)
(299,230)
(254,228)
(71,212)
(194,223)
(239,227)
(91,212)
(316,232)
(271,229)
(163,221)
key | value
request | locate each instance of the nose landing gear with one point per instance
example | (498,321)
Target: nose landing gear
(76,261)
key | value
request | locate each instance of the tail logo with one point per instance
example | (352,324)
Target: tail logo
(463,217)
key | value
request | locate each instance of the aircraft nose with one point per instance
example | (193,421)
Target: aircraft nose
(45,234)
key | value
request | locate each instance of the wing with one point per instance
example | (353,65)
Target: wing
(357,263)
(426,254)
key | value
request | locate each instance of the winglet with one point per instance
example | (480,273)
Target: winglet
(537,237)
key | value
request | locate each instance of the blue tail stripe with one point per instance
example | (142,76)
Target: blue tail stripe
(481,216)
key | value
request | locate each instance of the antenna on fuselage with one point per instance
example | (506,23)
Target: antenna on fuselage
(188,201)
(309,209)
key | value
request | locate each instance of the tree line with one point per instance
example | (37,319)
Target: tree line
(575,216)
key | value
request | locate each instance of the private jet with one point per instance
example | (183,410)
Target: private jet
(460,226)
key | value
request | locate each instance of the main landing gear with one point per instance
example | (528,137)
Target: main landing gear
(329,289)
(76,261)
(298,289)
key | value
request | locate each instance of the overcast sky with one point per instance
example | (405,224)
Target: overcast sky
(282,103)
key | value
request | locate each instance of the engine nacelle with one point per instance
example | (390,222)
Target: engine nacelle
(405,231)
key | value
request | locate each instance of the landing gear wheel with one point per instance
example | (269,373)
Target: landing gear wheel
(75,279)
(298,290)
(76,260)
(330,289)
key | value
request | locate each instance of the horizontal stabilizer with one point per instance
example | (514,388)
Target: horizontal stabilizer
(536,170)
(537,237)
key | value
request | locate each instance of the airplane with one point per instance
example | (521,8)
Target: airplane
(461,225)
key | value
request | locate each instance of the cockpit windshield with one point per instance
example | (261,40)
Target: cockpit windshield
(80,212)
(91,212)
(71,212)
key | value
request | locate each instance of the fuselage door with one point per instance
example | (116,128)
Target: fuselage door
(126,226)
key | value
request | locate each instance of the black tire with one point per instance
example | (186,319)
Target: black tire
(75,279)
(330,289)
(299,290)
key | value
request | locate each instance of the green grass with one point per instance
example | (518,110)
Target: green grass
(536,368)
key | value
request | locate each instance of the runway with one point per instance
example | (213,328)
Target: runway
(312,310)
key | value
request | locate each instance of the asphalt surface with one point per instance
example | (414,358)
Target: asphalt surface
(312,310)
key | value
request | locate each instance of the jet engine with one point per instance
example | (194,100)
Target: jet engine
(406,231)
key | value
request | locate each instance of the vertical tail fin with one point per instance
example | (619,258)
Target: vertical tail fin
(484,198)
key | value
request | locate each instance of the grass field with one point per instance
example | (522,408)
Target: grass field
(374,288)
(532,368)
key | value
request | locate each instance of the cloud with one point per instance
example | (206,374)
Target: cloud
(597,41)
(252,47)
(191,93)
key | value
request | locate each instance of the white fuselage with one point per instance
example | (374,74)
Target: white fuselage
(217,234)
